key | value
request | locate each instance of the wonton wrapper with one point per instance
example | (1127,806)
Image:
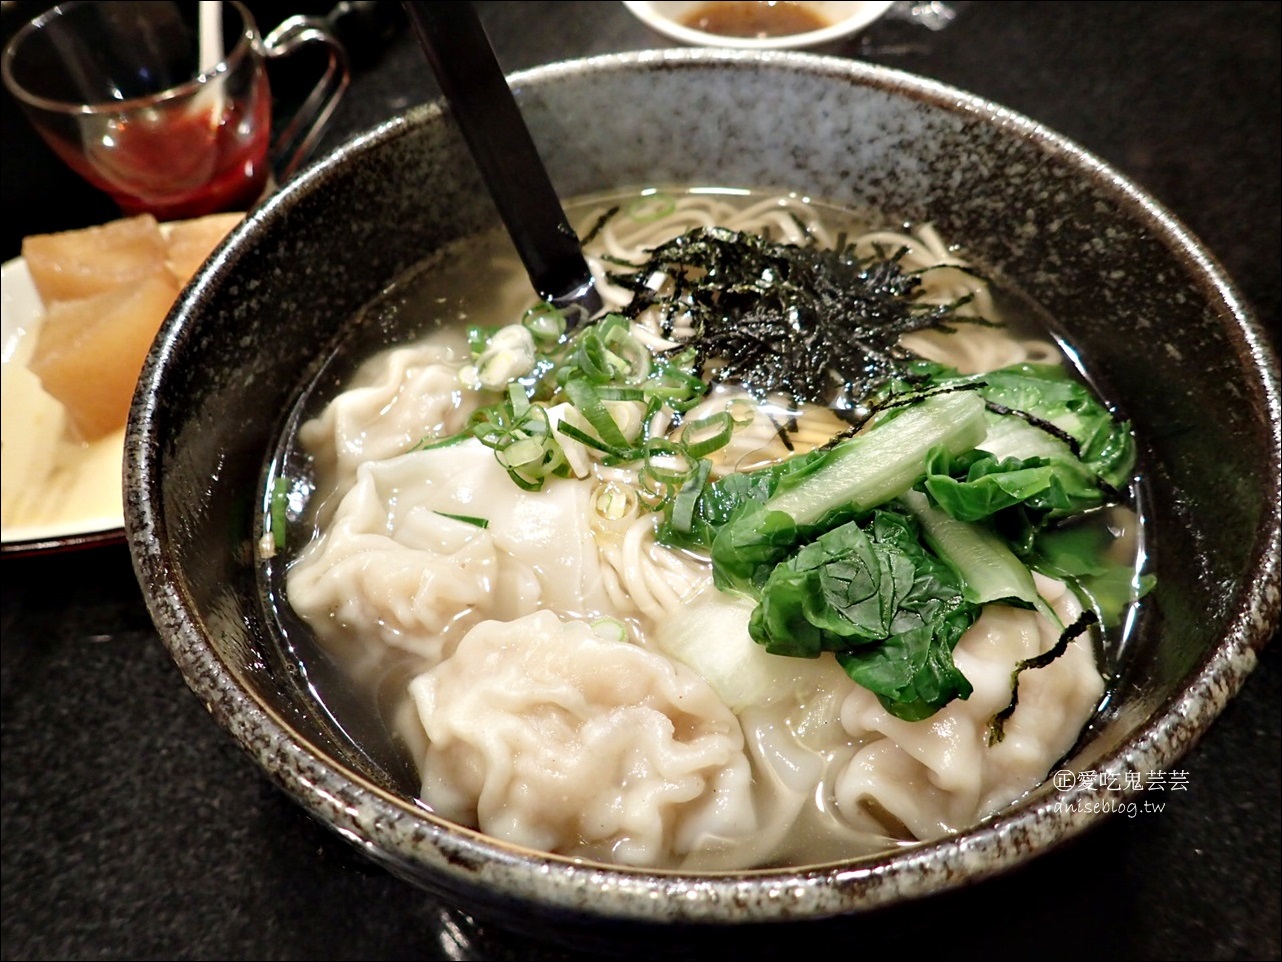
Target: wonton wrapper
(542,733)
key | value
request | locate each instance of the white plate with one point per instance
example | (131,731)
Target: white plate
(57,493)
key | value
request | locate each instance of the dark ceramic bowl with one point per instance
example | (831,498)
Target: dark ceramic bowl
(1162,326)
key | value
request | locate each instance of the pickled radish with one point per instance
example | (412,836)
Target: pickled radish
(190,242)
(106,290)
(81,263)
(90,351)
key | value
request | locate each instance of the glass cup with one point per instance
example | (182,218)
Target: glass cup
(166,106)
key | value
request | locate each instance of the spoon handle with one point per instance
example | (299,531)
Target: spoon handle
(485,110)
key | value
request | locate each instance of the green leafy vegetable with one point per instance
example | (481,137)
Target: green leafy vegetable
(883,547)
(1078,554)
(873,594)
(750,521)
(1051,446)
(989,570)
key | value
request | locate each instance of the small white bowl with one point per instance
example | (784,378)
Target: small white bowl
(843,19)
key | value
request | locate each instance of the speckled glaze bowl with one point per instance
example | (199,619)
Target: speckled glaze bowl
(1164,331)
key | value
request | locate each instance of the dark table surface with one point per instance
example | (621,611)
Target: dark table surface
(133,828)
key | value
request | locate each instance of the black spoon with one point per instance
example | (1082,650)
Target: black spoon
(472,81)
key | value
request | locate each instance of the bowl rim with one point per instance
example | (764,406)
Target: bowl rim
(393,832)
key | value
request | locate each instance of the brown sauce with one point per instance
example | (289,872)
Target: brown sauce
(755,19)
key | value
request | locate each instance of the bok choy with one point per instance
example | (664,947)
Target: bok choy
(883,547)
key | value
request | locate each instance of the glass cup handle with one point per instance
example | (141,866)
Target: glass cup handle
(299,137)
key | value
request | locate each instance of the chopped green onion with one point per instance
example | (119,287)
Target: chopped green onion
(478,337)
(666,469)
(684,504)
(607,393)
(742,411)
(430,443)
(465,518)
(607,352)
(614,502)
(523,444)
(584,397)
(279,510)
(634,355)
(668,461)
(545,323)
(521,454)
(505,360)
(578,434)
(650,207)
(706,435)
(517,398)
(680,388)
(653,492)
(619,390)
(611,629)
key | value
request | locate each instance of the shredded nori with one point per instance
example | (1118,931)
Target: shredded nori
(814,324)
(997,726)
(601,221)
(1040,423)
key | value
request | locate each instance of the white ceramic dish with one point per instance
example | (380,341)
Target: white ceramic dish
(843,19)
(57,493)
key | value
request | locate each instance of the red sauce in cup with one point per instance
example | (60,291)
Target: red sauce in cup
(181,165)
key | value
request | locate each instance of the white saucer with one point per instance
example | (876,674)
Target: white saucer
(57,493)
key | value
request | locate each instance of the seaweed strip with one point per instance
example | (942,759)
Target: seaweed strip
(997,727)
(818,325)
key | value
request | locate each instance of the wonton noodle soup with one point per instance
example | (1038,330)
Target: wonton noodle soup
(570,671)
